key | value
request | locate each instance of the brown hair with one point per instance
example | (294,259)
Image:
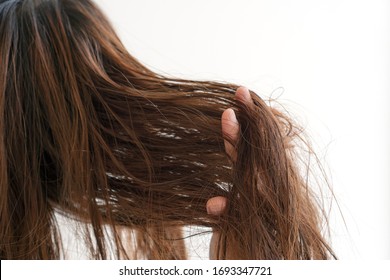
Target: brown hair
(89,132)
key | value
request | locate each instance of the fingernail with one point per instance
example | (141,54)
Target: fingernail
(244,94)
(232,116)
(247,94)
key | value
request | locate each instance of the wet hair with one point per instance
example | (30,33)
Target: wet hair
(88,132)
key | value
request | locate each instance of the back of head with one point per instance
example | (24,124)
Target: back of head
(88,131)
(54,56)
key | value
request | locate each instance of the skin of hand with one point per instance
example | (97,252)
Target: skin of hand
(230,128)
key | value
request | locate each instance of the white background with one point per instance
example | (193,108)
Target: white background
(327,60)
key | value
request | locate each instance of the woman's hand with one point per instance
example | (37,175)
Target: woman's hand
(231,129)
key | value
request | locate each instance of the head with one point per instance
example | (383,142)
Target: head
(88,132)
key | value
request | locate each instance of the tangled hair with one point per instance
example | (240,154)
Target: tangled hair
(87,131)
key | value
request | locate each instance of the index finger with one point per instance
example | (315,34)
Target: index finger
(243,95)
